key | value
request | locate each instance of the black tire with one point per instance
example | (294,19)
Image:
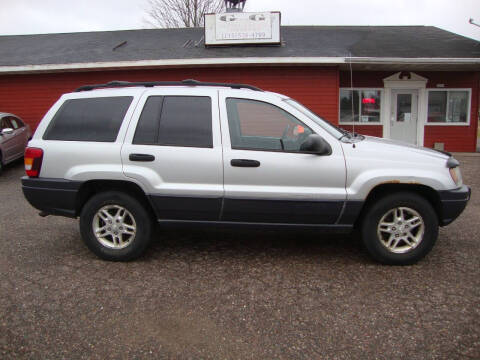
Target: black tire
(374,214)
(142,220)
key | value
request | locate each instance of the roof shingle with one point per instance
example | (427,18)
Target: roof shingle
(187,43)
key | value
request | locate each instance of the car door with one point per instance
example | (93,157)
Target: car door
(8,145)
(266,178)
(173,150)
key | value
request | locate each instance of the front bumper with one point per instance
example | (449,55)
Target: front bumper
(52,196)
(452,203)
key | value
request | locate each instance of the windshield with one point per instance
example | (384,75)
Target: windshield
(331,129)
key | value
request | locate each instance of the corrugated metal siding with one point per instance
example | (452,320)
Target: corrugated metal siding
(31,95)
(455,138)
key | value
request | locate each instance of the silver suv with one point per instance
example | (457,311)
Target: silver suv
(123,155)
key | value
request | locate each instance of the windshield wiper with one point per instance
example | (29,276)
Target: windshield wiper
(346,133)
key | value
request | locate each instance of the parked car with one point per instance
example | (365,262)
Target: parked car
(121,156)
(14,136)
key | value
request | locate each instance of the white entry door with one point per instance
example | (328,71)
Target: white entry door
(404,115)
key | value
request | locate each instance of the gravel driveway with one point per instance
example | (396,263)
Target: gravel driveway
(231,294)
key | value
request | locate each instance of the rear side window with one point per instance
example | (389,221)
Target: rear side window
(176,121)
(19,122)
(15,123)
(92,119)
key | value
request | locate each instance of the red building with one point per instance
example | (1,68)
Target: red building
(411,83)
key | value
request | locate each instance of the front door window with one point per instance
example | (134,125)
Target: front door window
(404,107)
(257,125)
(403,124)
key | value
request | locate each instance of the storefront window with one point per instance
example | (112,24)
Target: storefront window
(366,106)
(448,106)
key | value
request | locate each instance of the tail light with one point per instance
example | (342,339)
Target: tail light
(33,161)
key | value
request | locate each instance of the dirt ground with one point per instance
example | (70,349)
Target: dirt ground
(233,294)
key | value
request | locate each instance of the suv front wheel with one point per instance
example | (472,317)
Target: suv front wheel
(400,229)
(115,226)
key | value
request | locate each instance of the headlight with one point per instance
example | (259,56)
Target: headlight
(456,175)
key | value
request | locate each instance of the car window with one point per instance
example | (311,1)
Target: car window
(89,119)
(330,128)
(176,121)
(14,122)
(5,123)
(18,121)
(257,125)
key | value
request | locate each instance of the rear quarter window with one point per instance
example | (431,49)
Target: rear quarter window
(15,123)
(90,119)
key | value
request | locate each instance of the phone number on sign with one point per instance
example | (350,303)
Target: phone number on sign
(243,35)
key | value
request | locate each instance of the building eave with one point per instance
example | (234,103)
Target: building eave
(255,61)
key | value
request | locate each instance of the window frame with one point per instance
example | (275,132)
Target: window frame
(232,147)
(469,110)
(358,123)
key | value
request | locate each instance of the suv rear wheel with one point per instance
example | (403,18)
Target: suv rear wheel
(115,226)
(400,229)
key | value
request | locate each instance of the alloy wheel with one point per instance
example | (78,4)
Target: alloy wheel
(114,226)
(401,229)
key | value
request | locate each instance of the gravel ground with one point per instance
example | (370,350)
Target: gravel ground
(233,294)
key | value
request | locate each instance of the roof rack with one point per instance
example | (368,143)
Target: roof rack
(187,82)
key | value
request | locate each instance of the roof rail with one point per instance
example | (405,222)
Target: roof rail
(187,82)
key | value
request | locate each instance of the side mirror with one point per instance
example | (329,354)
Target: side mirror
(315,144)
(6,131)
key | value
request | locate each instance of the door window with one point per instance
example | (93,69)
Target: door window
(404,107)
(5,123)
(19,123)
(257,125)
(176,121)
(14,122)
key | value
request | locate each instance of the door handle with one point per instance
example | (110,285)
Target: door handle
(141,157)
(245,163)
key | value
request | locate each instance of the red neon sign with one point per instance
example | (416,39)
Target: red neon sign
(368,101)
